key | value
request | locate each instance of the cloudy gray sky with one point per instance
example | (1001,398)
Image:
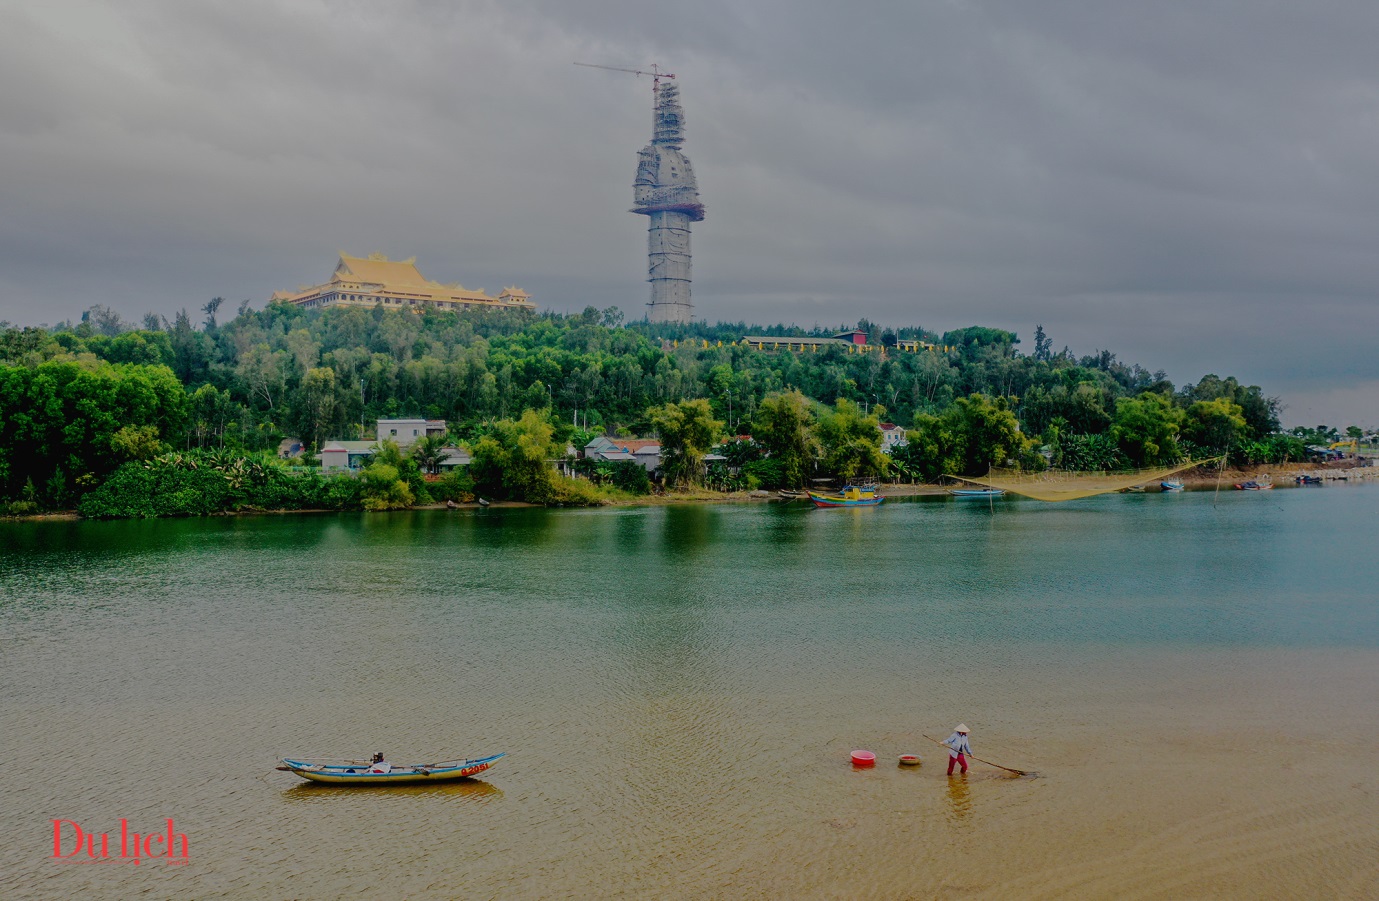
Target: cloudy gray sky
(1192,185)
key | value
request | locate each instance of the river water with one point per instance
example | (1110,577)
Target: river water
(1195,677)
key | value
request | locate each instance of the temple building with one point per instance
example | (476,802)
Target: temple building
(396,284)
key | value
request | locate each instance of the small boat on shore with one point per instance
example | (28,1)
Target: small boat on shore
(787,494)
(1253,485)
(849,496)
(355,773)
(977,492)
(1171,485)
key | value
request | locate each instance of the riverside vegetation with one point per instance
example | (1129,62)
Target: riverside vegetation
(176,418)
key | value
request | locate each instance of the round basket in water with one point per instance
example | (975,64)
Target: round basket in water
(909,760)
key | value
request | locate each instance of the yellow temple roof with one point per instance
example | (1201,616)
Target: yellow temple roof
(378,276)
(379,270)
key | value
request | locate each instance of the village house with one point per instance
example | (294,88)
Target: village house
(346,456)
(405,432)
(454,458)
(645,452)
(352,456)
(855,340)
(892,436)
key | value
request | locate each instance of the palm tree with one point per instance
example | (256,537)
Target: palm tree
(429,452)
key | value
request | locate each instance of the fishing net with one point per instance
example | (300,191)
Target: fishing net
(1060,485)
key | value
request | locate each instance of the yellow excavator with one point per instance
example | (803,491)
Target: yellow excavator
(1352,443)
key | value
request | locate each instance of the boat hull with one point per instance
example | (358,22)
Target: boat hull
(850,497)
(829,502)
(976,492)
(357,774)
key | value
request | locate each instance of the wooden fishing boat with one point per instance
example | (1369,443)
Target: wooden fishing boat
(1252,485)
(849,496)
(1171,485)
(1308,480)
(977,492)
(349,773)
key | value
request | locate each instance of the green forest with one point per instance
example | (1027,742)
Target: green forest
(185,416)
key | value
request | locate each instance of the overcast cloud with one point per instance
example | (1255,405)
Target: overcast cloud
(1192,185)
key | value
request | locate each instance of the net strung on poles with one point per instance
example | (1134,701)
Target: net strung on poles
(1061,485)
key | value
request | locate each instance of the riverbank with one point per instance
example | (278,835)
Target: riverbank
(1281,474)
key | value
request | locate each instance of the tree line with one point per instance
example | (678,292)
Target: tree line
(80,399)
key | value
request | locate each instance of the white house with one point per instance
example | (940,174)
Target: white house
(892,436)
(405,432)
(346,456)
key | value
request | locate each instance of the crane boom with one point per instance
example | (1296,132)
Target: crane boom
(655,72)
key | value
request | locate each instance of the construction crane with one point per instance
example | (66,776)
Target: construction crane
(655,73)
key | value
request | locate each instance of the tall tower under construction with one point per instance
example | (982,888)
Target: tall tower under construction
(665,191)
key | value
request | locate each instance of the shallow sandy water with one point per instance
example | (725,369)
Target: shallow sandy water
(680,689)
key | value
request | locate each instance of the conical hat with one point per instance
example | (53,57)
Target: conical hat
(961,727)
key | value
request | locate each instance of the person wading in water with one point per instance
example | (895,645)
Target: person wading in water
(958,748)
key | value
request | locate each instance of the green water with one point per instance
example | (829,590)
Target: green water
(647,669)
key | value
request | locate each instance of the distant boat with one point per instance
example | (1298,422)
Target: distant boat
(1171,485)
(850,496)
(977,492)
(791,495)
(1252,485)
(366,774)
(1308,480)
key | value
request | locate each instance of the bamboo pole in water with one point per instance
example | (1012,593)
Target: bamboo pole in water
(989,763)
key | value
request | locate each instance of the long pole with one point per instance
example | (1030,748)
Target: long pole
(989,763)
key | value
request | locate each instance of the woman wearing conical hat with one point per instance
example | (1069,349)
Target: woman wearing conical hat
(958,748)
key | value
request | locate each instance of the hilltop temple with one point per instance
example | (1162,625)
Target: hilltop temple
(396,284)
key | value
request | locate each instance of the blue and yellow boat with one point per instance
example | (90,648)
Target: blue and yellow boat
(355,773)
(849,496)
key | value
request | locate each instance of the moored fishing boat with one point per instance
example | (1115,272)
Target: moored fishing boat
(977,492)
(1308,480)
(354,773)
(1253,485)
(849,496)
(1171,485)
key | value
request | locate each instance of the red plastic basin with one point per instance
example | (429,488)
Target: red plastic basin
(863,758)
